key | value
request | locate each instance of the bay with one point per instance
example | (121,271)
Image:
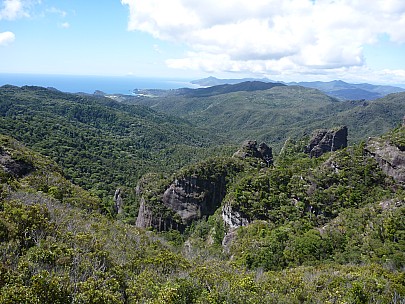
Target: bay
(89,84)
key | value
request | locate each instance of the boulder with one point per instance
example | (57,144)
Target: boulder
(249,149)
(323,141)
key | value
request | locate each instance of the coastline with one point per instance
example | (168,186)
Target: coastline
(90,84)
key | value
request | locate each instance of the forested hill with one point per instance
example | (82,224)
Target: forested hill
(281,112)
(100,144)
(349,91)
(246,86)
(336,88)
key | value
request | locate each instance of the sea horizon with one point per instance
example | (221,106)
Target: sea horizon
(90,83)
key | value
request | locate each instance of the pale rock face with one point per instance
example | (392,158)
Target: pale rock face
(144,218)
(182,198)
(118,202)
(389,157)
(189,198)
(233,219)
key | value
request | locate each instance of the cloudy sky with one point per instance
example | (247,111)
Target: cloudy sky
(288,40)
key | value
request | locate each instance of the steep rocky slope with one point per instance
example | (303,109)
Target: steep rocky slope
(389,152)
(192,194)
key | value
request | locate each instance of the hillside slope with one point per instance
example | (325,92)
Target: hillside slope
(246,86)
(281,112)
(351,91)
(336,88)
(101,144)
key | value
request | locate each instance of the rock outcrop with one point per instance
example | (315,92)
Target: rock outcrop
(118,202)
(16,168)
(250,149)
(323,141)
(187,198)
(389,157)
(196,193)
(389,152)
(232,218)
(192,197)
(183,201)
(156,218)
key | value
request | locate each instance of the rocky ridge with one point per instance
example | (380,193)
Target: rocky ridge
(249,149)
(389,154)
(323,141)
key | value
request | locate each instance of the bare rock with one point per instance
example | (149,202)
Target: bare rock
(323,141)
(118,202)
(388,156)
(232,218)
(183,201)
(16,168)
(249,149)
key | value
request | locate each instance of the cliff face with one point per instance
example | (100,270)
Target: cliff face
(186,199)
(195,193)
(389,154)
(232,218)
(191,196)
(323,141)
(160,219)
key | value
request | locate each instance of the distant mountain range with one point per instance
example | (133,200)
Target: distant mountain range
(213,81)
(336,88)
(245,86)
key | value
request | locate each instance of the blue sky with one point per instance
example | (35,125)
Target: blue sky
(287,40)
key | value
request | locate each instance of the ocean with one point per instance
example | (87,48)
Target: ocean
(89,84)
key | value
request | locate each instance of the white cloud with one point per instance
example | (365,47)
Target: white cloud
(6,38)
(65,25)
(57,11)
(157,49)
(13,9)
(270,36)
